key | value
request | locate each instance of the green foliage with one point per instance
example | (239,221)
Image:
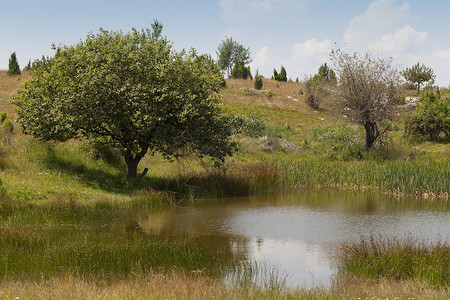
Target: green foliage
(283,75)
(7,126)
(339,142)
(231,52)
(240,71)
(134,91)
(419,74)
(431,119)
(325,74)
(3,116)
(43,64)
(13,67)
(251,124)
(258,81)
(275,75)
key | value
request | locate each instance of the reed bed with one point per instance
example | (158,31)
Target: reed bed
(407,178)
(397,259)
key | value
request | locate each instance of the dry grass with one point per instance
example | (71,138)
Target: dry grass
(358,288)
(182,286)
(8,85)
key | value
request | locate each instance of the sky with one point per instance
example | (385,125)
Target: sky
(298,34)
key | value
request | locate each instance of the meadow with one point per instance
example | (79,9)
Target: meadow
(67,212)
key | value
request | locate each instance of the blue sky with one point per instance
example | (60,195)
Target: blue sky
(297,34)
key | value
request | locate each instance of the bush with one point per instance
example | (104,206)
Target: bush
(3,116)
(431,119)
(8,126)
(313,94)
(258,82)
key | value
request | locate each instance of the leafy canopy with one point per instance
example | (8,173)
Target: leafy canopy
(134,92)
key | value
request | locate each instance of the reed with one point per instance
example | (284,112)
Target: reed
(397,259)
(412,178)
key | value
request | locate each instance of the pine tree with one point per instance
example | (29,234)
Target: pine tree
(14,68)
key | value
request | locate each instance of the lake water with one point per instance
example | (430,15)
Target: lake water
(300,232)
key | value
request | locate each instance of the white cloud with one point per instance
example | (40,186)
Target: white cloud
(375,22)
(402,39)
(311,47)
(308,56)
(261,59)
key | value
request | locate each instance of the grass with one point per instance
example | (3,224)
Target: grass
(64,237)
(397,259)
(407,178)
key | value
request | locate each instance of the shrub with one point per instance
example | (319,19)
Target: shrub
(313,91)
(258,82)
(7,126)
(3,116)
(431,119)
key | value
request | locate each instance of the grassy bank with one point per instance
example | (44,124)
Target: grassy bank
(97,241)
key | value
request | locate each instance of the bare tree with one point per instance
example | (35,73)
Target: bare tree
(367,88)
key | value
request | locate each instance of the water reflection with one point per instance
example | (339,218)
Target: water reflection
(300,231)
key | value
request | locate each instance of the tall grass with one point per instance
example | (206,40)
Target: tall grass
(414,178)
(397,259)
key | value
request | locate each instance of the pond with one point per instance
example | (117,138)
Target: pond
(300,232)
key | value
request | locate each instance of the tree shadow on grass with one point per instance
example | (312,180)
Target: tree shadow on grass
(113,182)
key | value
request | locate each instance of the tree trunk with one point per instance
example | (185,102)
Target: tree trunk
(371,133)
(132,163)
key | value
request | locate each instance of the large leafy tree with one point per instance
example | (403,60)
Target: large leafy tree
(132,91)
(366,90)
(231,52)
(419,74)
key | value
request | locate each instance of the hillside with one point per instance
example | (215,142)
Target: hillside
(293,133)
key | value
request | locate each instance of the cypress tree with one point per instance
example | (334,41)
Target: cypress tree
(283,75)
(14,68)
